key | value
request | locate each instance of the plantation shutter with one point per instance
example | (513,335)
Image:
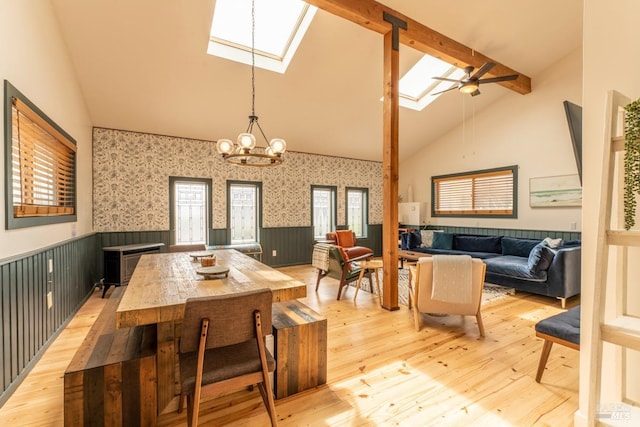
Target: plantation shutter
(43,166)
(484,193)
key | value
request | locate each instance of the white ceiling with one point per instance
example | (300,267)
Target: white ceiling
(142,66)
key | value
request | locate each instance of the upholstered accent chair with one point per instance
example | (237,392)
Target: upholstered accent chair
(333,261)
(222,348)
(346,239)
(562,328)
(465,303)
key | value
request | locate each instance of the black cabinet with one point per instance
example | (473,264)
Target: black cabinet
(120,261)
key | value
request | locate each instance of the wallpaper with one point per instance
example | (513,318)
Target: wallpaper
(131,173)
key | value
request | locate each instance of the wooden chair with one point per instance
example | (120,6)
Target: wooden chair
(222,348)
(563,328)
(338,265)
(421,293)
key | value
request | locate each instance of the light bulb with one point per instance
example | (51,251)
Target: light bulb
(278,145)
(469,87)
(246,141)
(224,146)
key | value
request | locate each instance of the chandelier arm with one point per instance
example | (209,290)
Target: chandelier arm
(262,132)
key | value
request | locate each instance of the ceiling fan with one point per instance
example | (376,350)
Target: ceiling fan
(470,83)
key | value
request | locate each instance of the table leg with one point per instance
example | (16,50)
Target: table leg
(378,286)
(362,270)
(167,374)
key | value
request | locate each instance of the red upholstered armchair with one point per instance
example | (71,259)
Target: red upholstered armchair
(346,239)
(338,261)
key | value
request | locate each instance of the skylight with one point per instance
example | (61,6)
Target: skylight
(417,85)
(280,26)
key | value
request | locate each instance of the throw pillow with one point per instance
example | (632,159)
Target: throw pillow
(427,237)
(345,238)
(442,241)
(415,240)
(404,241)
(540,258)
(518,247)
(553,243)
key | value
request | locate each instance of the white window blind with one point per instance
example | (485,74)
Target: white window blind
(43,166)
(477,193)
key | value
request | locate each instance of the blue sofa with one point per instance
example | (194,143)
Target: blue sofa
(524,264)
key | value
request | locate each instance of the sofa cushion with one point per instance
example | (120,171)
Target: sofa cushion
(514,266)
(442,241)
(415,239)
(427,237)
(540,258)
(518,247)
(434,251)
(477,243)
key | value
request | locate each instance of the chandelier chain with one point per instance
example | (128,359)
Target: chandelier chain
(253,57)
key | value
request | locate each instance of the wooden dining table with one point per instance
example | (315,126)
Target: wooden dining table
(159,287)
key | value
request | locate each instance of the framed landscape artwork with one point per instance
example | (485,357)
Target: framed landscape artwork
(555,191)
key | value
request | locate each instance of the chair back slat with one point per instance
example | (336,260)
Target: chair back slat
(230,316)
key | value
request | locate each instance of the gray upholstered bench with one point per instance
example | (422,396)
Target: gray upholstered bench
(563,328)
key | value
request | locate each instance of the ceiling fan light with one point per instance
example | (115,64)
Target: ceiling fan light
(469,87)
(224,146)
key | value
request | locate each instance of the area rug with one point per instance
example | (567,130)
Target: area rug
(490,292)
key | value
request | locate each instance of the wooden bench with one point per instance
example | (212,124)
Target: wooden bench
(111,380)
(300,342)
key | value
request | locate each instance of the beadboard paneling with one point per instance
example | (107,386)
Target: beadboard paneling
(28,326)
(529,234)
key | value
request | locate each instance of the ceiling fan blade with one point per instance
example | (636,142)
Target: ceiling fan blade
(482,70)
(476,92)
(446,90)
(446,79)
(498,79)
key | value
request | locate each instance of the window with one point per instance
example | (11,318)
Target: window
(40,164)
(190,207)
(323,210)
(486,193)
(280,27)
(244,211)
(416,90)
(357,211)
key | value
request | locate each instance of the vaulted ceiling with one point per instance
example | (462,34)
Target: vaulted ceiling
(142,66)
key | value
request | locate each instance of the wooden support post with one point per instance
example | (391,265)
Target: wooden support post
(390,164)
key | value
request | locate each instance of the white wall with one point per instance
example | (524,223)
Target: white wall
(611,61)
(35,60)
(530,131)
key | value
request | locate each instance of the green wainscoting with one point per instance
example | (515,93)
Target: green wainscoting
(28,325)
(529,234)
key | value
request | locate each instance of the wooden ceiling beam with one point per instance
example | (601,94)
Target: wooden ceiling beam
(369,14)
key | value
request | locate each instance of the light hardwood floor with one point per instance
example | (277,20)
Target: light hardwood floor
(381,372)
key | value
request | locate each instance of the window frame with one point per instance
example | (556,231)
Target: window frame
(65,143)
(475,174)
(172,205)
(258,187)
(365,209)
(334,208)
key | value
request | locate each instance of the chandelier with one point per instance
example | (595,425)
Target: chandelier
(244,152)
